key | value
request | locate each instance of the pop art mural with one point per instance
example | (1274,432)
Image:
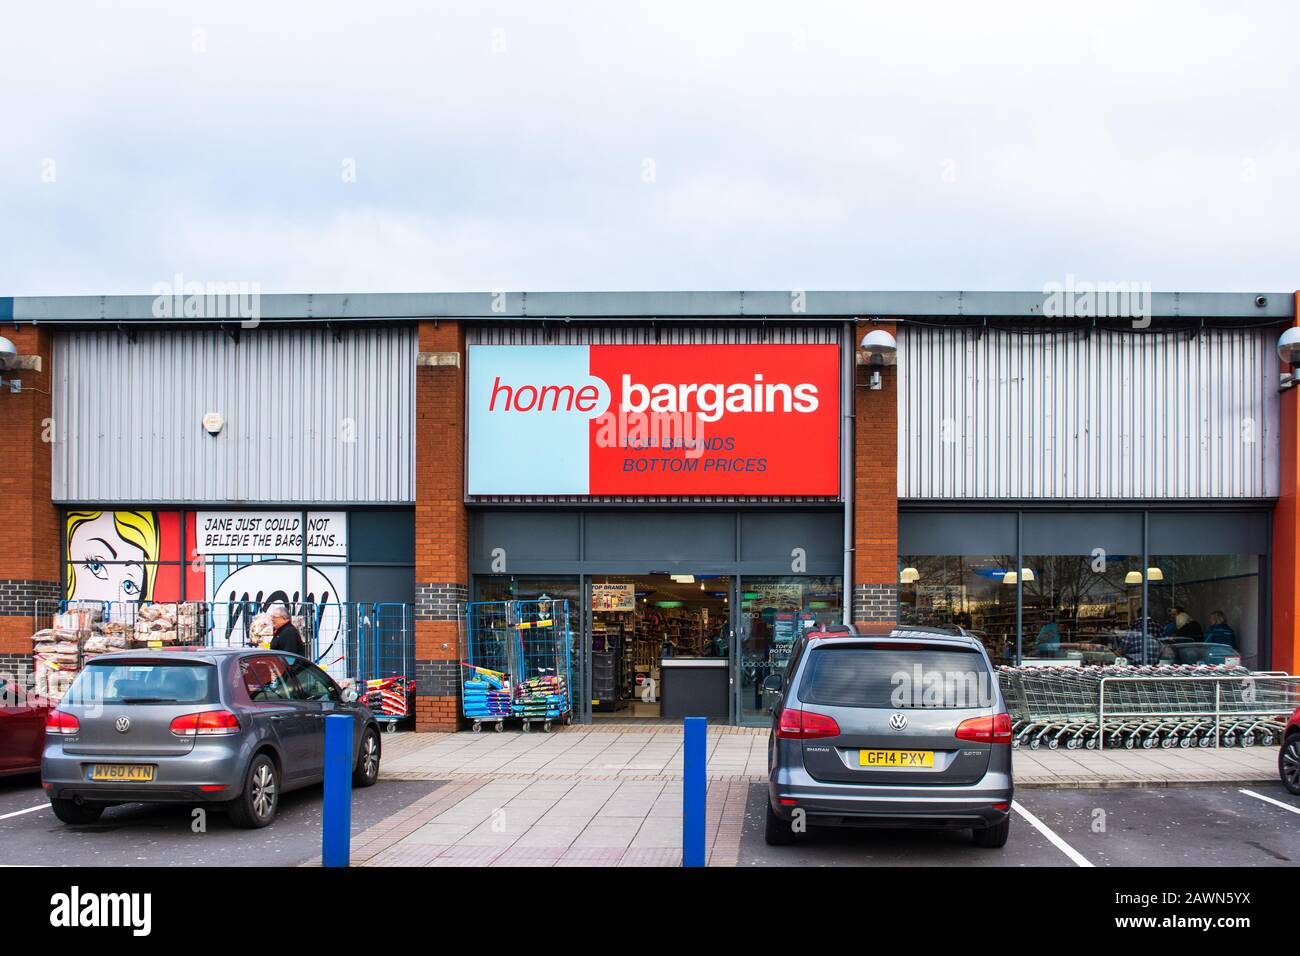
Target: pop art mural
(240,561)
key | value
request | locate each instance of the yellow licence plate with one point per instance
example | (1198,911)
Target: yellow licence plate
(122,772)
(896,758)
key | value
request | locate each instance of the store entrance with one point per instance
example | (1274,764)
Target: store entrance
(660,646)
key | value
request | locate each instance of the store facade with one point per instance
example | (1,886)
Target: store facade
(698,474)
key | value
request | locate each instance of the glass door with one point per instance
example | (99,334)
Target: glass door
(771,612)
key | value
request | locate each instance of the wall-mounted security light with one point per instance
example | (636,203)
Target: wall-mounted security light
(11,361)
(213,422)
(1288,350)
(878,348)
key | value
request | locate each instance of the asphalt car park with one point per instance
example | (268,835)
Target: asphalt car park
(1172,827)
(164,835)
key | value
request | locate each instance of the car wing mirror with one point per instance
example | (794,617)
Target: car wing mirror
(349,695)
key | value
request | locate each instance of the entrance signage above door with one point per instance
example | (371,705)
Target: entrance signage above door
(653,420)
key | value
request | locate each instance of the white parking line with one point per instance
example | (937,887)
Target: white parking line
(19,813)
(1078,858)
(1276,803)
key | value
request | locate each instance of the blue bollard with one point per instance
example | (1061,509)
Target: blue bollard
(336,822)
(694,789)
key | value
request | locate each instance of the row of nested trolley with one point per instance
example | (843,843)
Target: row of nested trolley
(518,664)
(1148,707)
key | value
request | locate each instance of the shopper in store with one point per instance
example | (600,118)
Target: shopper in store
(286,636)
(1186,627)
(1219,632)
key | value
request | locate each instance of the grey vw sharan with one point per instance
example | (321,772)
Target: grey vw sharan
(904,729)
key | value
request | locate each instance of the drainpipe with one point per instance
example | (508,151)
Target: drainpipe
(848,356)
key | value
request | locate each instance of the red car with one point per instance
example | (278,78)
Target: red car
(22,728)
(1288,758)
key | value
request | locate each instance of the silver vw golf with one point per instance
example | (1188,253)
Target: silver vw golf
(233,727)
(904,729)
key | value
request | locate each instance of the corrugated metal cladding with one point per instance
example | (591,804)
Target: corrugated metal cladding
(1108,414)
(643,333)
(309,417)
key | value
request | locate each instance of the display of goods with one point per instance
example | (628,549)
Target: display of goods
(541,697)
(261,630)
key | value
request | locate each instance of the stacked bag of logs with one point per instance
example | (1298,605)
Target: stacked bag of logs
(84,631)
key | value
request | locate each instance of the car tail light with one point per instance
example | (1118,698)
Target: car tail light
(207,723)
(805,725)
(986,730)
(59,722)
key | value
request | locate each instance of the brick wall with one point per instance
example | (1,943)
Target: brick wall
(441,529)
(29,562)
(875,508)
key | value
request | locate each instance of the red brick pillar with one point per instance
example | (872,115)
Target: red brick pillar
(875,496)
(1286,535)
(441,529)
(29,562)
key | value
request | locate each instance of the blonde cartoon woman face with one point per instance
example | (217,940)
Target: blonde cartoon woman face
(111,555)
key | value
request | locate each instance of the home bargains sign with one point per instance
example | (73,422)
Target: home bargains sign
(653,420)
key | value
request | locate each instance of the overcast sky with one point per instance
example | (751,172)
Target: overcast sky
(405,146)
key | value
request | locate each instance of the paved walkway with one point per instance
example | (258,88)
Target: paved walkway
(737,753)
(613,797)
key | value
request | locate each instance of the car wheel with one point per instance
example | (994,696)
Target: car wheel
(994,837)
(367,770)
(256,806)
(69,811)
(777,832)
(1288,763)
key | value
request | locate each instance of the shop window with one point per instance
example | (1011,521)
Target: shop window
(970,591)
(1207,607)
(1083,607)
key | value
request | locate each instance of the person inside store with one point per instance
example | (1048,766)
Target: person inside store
(1049,637)
(286,636)
(1219,632)
(1182,627)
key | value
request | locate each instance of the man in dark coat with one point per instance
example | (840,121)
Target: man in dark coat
(286,636)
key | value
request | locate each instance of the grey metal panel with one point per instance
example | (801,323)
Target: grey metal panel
(992,414)
(791,305)
(311,417)
(652,540)
(521,537)
(561,333)
(953,532)
(1080,533)
(1202,532)
(774,536)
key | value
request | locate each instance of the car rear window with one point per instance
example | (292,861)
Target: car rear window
(896,676)
(144,682)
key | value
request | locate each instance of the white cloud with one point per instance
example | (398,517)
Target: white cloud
(501,144)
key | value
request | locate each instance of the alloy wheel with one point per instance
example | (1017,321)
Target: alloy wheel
(264,791)
(370,756)
(1291,763)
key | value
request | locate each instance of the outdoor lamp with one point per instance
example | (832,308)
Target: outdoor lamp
(1133,577)
(1026,574)
(909,576)
(1288,346)
(1155,574)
